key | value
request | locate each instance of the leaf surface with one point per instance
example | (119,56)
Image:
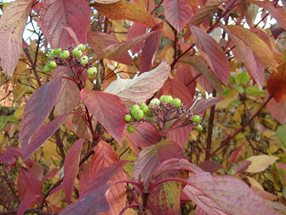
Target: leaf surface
(140,88)
(58,17)
(38,108)
(108,109)
(276,84)
(12,25)
(71,168)
(260,162)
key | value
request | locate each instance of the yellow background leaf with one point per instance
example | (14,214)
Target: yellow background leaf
(260,162)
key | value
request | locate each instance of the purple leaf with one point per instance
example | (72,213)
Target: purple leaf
(38,108)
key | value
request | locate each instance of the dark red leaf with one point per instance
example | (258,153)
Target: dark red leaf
(210,166)
(55,16)
(276,84)
(201,105)
(136,30)
(214,52)
(26,203)
(38,108)
(178,13)
(12,25)
(180,135)
(9,156)
(108,109)
(94,201)
(225,195)
(42,135)
(277,110)
(30,182)
(145,135)
(71,168)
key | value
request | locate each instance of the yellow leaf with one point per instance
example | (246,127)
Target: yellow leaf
(19,112)
(255,184)
(124,10)
(260,162)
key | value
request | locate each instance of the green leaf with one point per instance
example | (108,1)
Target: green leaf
(242,78)
(281,134)
(254,91)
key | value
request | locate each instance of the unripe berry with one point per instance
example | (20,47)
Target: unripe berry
(144,107)
(65,54)
(76,52)
(176,102)
(131,129)
(57,51)
(196,118)
(166,98)
(51,55)
(155,102)
(199,128)
(84,60)
(52,64)
(138,115)
(91,70)
(81,47)
(46,69)
(128,118)
(134,109)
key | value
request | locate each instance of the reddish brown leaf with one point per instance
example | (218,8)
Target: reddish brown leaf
(150,47)
(277,110)
(9,156)
(94,201)
(30,181)
(108,109)
(178,13)
(185,76)
(214,52)
(180,135)
(150,157)
(134,31)
(102,42)
(201,105)
(276,84)
(12,25)
(71,167)
(42,135)
(140,88)
(210,166)
(38,108)
(104,157)
(58,15)
(125,10)
(205,12)
(26,203)
(225,195)
(145,135)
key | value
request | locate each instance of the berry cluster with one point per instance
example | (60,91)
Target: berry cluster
(159,111)
(61,57)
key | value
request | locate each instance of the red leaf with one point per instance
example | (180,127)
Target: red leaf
(145,135)
(30,183)
(71,167)
(180,135)
(56,15)
(42,135)
(210,166)
(185,76)
(94,201)
(214,52)
(150,46)
(277,110)
(150,157)
(215,194)
(26,203)
(104,157)
(9,156)
(108,109)
(38,108)
(12,25)
(134,31)
(178,13)
(201,105)
(101,42)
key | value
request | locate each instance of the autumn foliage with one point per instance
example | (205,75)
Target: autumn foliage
(143,107)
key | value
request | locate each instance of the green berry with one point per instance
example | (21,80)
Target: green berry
(176,102)
(92,70)
(131,129)
(51,55)
(81,47)
(128,118)
(47,69)
(65,54)
(84,60)
(196,118)
(134,109)
(57,51)
(166,98)
(199,128)
(76,52)
(155,102)
(52,64)
(138,115)
(144,107)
